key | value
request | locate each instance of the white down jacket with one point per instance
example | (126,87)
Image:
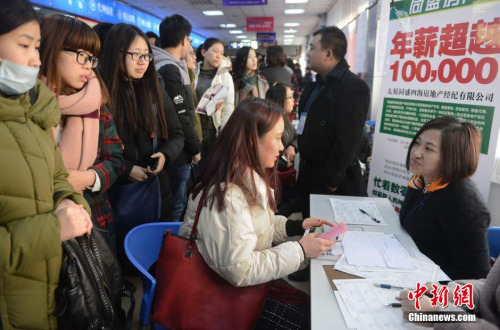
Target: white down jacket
(221,116)
(237,243)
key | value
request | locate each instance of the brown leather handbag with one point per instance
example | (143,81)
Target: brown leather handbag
(190,295)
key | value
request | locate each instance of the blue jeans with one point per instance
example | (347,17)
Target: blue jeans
(179,176)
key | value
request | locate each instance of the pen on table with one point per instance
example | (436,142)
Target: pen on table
(369,215)
(390,286)
(394,304)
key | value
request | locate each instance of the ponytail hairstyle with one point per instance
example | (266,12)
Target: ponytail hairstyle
(206,46)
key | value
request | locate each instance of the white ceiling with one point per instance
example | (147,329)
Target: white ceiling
(208,26)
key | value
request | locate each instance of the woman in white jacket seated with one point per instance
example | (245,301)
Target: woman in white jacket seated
(237,224)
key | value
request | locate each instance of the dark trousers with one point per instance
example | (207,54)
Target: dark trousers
(313,180)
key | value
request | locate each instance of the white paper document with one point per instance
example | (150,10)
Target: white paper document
(363,304)
(375,250)
(357,212)
(213,95)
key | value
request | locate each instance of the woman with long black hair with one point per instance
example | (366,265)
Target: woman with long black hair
(247,79)
(141,108)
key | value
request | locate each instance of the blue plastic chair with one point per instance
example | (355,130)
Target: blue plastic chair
(494,241)
(142,246)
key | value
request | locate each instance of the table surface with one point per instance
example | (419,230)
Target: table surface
(325,311)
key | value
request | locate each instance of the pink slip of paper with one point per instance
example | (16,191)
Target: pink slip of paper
(334,231)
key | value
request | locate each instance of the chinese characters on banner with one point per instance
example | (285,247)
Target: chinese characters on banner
(462,295)
(260,24)
(442,59)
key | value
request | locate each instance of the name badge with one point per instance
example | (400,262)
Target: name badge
(302,123)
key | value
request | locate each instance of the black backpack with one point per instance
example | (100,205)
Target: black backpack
(90,284)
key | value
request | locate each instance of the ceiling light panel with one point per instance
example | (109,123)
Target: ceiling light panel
(294,11)
(213,13)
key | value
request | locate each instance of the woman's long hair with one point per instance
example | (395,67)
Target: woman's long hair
(240,65)
(234,155)
(60,31)
(125,93)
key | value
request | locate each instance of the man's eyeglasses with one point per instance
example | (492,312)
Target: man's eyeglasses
(189,38)
(82,57)
(138,56)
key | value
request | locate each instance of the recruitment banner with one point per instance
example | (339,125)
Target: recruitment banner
(260,24)
(442,59)
(266,37)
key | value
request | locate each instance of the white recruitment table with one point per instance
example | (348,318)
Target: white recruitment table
(325,311)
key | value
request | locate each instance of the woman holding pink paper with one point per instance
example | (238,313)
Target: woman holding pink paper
(238,227)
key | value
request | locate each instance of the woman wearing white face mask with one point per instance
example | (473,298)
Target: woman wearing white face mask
(38,206)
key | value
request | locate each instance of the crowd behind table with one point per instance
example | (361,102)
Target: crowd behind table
(83,113)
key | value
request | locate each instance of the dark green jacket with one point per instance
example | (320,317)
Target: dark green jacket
(33,180)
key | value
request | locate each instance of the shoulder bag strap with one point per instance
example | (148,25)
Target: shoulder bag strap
(192,236)
(155,133)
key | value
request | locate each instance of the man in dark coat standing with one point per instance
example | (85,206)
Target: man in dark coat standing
(332,116)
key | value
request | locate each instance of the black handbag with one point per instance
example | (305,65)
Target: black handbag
(90,284)
(138,202)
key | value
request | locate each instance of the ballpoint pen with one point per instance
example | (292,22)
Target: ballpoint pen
(369,215)
(390,286)
(394,304)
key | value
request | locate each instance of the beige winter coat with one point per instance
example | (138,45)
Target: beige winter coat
(237,243)
(221,116)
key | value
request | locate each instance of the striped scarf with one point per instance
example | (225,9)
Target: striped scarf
(417,183)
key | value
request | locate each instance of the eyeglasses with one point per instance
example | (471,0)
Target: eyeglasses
(82,57)
(189,38)
(138,56)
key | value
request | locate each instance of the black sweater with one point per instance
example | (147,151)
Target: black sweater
(450,227)
(138,147)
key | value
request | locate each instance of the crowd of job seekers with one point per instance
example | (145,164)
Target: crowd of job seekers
(82,112)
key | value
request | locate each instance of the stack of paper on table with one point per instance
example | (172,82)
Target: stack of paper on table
(351,211)
(362,305)
(382,256)
(374,249)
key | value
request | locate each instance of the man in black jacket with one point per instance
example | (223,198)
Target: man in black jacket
(332,116)
(170,64)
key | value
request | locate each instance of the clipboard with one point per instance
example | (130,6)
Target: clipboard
(333,274)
